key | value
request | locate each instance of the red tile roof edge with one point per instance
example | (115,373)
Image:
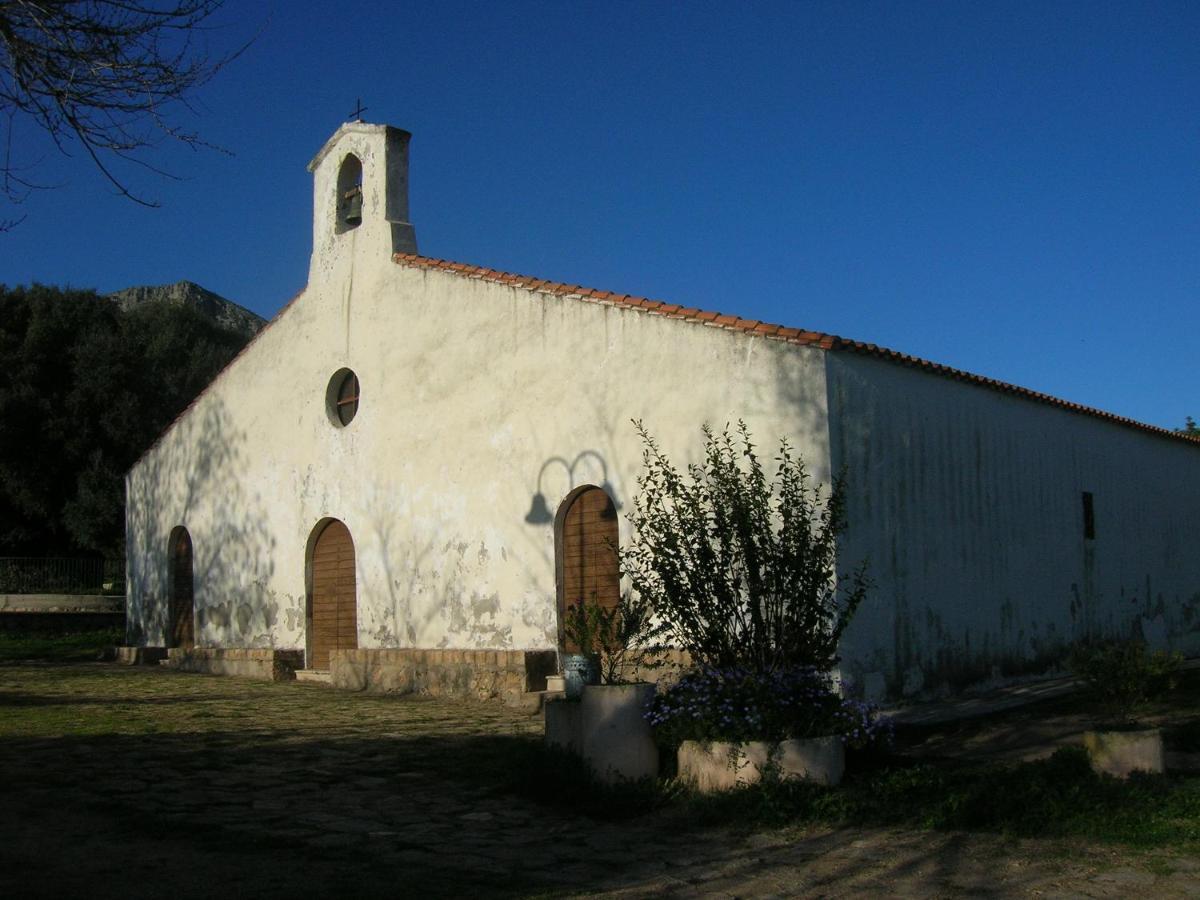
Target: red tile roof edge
(766,331)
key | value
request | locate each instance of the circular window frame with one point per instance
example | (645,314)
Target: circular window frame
(336,403)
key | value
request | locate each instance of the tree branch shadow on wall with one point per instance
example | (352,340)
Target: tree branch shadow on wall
(195,477)
(431,584)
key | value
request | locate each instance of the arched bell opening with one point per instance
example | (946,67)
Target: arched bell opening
(349,205)
(587,564)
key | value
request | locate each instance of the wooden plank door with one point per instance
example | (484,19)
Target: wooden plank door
(182,603)
(334,598)
(591,570)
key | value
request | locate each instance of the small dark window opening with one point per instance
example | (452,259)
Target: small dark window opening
(342,397)
(1089,517)
(349,195)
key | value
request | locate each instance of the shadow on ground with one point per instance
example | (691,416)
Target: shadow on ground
(130,783)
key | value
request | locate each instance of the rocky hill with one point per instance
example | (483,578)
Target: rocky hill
(185,293)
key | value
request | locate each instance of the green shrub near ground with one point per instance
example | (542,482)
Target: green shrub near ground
(1056,797)
(1122,675)
(739,568)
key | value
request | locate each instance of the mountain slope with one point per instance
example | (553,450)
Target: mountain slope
(224,312)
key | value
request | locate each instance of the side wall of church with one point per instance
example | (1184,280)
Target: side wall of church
(476,397)
(967,504)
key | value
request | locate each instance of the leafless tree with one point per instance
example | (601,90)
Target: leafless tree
(107,75)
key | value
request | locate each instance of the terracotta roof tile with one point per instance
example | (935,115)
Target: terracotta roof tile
(692,314)
(770,332)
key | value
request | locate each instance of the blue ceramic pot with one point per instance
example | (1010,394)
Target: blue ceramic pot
(579,670)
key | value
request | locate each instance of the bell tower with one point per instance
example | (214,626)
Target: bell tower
(360,196)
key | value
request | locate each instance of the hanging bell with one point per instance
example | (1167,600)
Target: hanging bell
(353,208)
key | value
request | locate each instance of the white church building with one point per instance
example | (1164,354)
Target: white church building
(404,476)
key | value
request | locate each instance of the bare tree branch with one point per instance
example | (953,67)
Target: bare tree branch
(107,75)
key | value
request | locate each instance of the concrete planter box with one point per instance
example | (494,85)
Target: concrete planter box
(606,726)
(722,766)
(1121,752)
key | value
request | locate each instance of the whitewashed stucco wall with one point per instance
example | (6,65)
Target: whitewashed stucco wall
(468,389)
(967,503)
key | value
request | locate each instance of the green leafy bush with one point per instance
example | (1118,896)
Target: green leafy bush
(611,634)
(738,569)
(1124,674)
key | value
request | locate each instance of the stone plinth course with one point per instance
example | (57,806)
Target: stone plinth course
(259,664)
(138,656)
(506,675)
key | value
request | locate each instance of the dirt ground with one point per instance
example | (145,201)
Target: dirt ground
(119,782)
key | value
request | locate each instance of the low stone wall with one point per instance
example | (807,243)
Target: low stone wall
(480,674)
(262,665)
(76,603)
(61,613)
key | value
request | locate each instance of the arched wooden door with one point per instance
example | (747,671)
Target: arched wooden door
(334,619)
(181,629)
(589,568)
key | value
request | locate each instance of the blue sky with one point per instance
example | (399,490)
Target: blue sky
(1012,189)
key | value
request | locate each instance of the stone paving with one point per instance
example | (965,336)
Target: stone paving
(139,782)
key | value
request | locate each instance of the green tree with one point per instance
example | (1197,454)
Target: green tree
(85,390)
(736,568)
(1190,428)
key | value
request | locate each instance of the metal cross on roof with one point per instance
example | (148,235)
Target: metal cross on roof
(359,109)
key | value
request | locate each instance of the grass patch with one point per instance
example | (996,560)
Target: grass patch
(57,647)
(1052,798)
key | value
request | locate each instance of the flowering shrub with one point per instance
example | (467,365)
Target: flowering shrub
(736,703)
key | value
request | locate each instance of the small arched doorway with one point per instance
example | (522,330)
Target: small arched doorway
(181,627)
(333,603)
(586,542)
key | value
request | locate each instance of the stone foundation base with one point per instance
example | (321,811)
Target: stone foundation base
(137,656)
(479,674)
(262,665)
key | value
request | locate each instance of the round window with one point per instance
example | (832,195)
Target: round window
(341,399)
